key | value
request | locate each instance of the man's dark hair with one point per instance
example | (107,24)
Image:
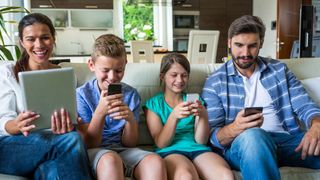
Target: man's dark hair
(247,24)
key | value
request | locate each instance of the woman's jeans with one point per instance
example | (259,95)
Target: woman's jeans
(43,155)
(257,154)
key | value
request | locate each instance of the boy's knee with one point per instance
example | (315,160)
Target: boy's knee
(110,159)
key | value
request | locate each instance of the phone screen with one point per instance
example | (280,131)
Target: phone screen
(252,110)
(114,89)
(192,97)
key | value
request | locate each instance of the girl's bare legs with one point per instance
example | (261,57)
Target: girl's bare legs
(211,166)
(180,168)
(151,167)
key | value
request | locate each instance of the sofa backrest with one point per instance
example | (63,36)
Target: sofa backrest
(304,68)
(145,78)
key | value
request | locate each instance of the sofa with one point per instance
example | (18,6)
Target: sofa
(145,78)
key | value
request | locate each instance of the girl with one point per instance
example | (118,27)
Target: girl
(55,154)
(179,136)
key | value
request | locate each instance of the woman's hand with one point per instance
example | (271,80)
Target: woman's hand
(61,122)
(24,121)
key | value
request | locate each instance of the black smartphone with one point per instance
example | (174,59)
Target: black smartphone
(114,89)
(252,110)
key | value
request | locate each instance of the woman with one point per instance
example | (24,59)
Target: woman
(55,154)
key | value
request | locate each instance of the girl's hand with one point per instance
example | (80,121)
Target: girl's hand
(61,122)
(198,109)
(182,110)
(24,121)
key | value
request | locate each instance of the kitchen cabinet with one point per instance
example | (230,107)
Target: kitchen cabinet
(218,15)
(185,4)
(59,17)
(91,19)
(73,4)
(79,18)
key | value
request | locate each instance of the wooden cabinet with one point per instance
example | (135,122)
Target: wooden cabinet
(73,4)
(185,4)
(218,15)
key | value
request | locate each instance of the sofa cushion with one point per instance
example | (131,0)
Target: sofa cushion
(312,86)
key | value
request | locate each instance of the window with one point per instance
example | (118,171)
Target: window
(154,20)
(138,21)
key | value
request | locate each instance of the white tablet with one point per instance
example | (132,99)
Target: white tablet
(45,91)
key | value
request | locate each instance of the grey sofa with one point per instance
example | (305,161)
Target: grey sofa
(145,78)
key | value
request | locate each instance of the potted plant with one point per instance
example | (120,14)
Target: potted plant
(5,53)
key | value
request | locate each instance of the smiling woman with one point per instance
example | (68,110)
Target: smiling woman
(17,131)
(37,39)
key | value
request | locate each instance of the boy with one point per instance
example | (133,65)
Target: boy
(110,122)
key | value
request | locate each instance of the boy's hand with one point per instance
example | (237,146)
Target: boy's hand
(121,111)
(108,102)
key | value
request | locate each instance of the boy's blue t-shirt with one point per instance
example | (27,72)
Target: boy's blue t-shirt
(88,96)
(184,136)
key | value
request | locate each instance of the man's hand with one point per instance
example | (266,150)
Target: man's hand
(310,144)
(227,134)
(241,123)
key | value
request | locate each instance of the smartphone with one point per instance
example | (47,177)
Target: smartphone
(114,89)
(252,110)
(192,97)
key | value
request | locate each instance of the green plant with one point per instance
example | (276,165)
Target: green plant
(138,22)
(5,53)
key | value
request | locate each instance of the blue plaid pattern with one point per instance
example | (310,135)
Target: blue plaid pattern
(224,96)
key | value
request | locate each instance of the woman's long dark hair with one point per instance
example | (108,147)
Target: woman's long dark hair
(30,19)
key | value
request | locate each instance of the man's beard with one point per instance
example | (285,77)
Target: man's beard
(245,65)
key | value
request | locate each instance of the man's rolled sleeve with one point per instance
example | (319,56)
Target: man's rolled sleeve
(214,140)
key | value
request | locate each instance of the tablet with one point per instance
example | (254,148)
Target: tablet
(45,91)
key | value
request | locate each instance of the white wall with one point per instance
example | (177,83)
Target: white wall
(267,11)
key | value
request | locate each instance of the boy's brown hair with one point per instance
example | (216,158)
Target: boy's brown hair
(109,45)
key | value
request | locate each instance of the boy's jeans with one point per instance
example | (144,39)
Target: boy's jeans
(257,154)
(43,155)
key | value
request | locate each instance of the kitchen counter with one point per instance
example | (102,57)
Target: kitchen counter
(84,58)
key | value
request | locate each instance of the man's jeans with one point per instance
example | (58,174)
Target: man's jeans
(257,154)
(43,155)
